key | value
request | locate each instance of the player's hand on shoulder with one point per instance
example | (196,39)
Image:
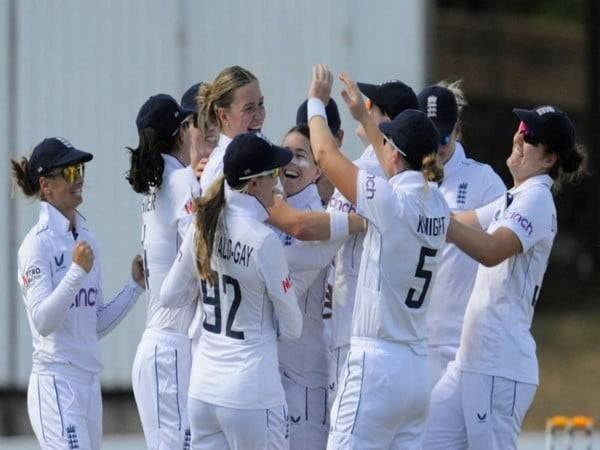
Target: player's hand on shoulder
(137,271)
(321,83)
(83,255)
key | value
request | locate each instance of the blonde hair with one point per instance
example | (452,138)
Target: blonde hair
(431,169)
(570,168)
(219,93)
(459,95)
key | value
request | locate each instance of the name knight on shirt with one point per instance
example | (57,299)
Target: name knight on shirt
(238,252)
(431,226)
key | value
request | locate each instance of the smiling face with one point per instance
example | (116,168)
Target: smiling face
(302,170)
(246,114)
(527,160)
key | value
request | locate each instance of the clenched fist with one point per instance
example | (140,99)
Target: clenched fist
(83,256)
(137,271)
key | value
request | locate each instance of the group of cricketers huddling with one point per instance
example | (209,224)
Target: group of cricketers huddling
(295,298)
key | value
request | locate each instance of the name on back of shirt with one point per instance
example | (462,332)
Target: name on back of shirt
(431,226)
(238,252)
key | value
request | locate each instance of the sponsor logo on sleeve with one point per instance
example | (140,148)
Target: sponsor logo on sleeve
(341,205)
(31,274)
(370,186)
(523,221)
(286,284)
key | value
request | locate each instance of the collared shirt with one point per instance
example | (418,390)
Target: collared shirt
(496,338)
(467,185)
(214,166)
(235,363)
(408,220)
(166,215)
(46,272)
(305,359)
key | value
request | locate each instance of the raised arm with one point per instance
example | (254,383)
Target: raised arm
(338,169)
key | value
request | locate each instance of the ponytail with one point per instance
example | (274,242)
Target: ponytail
(220,93)
(147,164)
(431,169)
(20,174)
(208,212)
(570,168)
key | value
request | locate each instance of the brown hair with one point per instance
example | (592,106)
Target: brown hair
(20,174)
(219,93)
(570,168)
(208,210)
(431,169)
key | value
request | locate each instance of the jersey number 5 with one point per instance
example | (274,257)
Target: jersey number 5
(215,301)
(421,273)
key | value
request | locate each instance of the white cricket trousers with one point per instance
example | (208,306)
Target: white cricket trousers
(307,412)
(65,409)
(476,411)
(439,357)
(337,361)
(383,399)
(161,378)
(221,428)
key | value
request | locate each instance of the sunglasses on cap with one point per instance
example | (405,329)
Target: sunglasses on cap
(273,173)
(395,147)
(70,173)
(528,136)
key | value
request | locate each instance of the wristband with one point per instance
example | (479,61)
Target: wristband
(339,228)
(315,107)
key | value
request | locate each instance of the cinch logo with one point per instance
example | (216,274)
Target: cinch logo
(286,284)
(523,221)
(370,186)
(85,298)
(338,204)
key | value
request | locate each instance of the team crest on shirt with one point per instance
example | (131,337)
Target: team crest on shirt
(461,196)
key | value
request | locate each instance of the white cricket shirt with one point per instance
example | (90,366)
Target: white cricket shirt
(45,270)
(496,338)
(467,185)
(166,215)
(347,263)
(235,363)
(305,359)
(408,220)
(214,165)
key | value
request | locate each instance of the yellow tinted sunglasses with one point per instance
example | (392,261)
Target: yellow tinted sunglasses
(71,173)
(273,173)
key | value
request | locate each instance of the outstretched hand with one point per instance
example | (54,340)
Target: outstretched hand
(321,83)
(353,98)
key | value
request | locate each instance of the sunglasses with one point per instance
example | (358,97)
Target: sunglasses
(444,140)
(394,146)
(273,173)
(70,173)
(528,136)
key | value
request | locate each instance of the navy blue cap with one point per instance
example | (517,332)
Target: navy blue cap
(188,99)
(551,125)
(391,97)
(414,134)
(53,153)
(331,111)
(249,155)
(162,113)
(440,106)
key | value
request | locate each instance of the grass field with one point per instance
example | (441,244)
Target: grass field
(568,347)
